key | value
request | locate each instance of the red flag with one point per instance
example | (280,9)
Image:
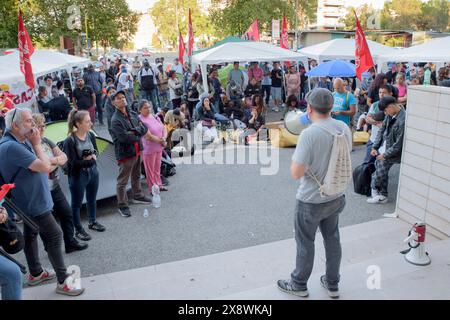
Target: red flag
(284,41)
(252,32)
(363,58)
(181,48)
(191,36)
(25,51)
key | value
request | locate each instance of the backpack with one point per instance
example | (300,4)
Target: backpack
(147,81)
(362,177)
(339,171)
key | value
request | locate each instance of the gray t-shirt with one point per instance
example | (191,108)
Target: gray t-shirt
(83,145)
(314,151)
(237,75)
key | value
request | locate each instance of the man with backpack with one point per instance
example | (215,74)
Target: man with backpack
(148,85)
(322,161)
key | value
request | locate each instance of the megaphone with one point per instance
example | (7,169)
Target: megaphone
(295,121)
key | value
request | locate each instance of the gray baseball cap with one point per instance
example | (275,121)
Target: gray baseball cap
(320,99)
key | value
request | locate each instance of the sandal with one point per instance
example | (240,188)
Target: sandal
(163,188)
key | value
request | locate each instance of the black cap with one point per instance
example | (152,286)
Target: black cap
(113,97)
(385,101)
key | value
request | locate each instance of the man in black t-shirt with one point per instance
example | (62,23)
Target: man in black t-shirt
(84,98)
(277,80)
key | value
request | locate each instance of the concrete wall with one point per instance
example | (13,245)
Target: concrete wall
(424,186)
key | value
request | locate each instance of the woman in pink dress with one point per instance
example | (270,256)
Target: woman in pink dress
(153,142)
(293,82)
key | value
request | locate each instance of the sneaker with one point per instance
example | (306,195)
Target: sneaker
(142,199)
(379,199)
(286,286)
(96,226)
(333,291)
(68,288)
(76,246)
(46,275)
(125,212)
(17,219)
(83,235)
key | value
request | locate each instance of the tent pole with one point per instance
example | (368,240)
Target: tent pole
(205,77)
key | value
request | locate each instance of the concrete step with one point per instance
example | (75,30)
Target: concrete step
(237,271)
(398,280)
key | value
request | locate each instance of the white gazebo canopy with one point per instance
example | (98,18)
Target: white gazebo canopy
(343,49)
(244,51)
(42,62)
(435,50)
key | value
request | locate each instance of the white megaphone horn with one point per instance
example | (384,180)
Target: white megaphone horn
(295,121)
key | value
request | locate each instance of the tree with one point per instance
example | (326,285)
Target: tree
(401,15)
(164,13)
(435,15)
(237,15)
(9,11)
(364,13)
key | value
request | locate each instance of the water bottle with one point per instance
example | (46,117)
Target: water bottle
(145,213)
(156,197)
(427,77)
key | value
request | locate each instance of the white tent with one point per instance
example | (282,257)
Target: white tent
(435,50)
(343,49)
(244,51)
(42,62)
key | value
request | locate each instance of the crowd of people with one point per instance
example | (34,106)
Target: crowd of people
(147,106)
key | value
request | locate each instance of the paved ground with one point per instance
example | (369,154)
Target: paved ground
(209,209)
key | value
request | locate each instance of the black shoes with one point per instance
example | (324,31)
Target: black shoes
(96,226)
(333,291)
(83,235)
(142,199)
(76,246)
(125,212)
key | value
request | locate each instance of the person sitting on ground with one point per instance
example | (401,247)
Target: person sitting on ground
(61,208)
(252,88)
(154,141)
(58,107)
(255,125)
(387,148)
(207,123)
(184,109)
(126,132)
(233,91)
(292,103)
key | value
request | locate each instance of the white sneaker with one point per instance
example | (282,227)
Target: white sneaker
(379,199)
(69,287)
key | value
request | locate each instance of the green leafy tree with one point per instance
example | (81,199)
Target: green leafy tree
(9,20)
(401,15)
(364,12)
(164,13)
(435,15)
(237,15)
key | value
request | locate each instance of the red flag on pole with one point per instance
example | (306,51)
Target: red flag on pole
(181,48)
(252,32)
(363,57)
(25,51)
(284,41)
(191,36)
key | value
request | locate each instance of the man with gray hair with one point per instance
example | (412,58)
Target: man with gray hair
(25,163)
(315,210)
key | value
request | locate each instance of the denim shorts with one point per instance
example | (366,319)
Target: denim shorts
(276,93)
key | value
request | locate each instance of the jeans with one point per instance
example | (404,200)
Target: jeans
(164,99)
(129,168)
(309,217)
(150,96)
(51,235)
(99,107)
(10,280)
(63,212)
(266,93)
(87,181)
(369,158)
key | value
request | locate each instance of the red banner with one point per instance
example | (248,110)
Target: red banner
(25,51)
(191,35)
(363,58)
(284,41)
(252,32)
(181,48)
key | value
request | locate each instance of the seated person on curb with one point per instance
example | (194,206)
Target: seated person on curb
(252,88)
(126,131)
(233,91)
(255,125)
(207,123)
(387,148)
(24,162)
